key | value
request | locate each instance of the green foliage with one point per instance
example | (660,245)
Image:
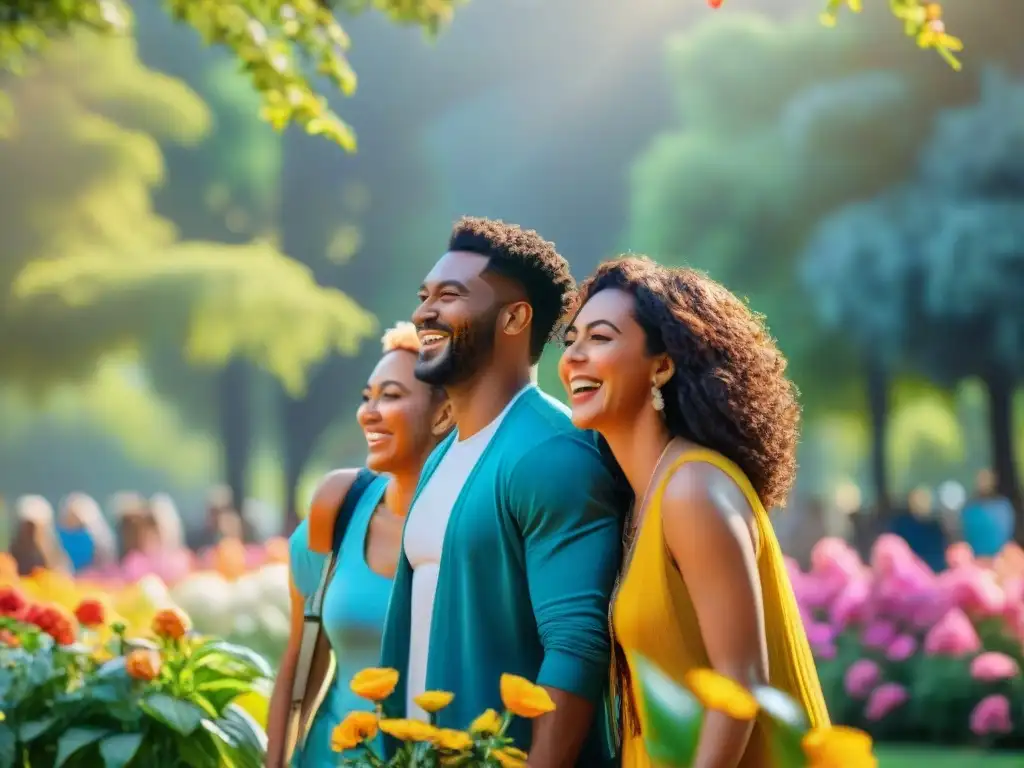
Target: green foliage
(148,704)
(282,47)
(84,249)
(778,126)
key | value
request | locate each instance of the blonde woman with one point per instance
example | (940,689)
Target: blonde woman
(403,420)
(35,543)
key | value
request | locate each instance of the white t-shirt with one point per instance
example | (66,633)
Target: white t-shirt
(423,540)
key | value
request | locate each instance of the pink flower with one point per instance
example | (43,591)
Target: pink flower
(993,666)
(959,554)
(861,678)
(878,634)
(852,606)
(890,550)
(901,648)
(826,651)
(953,635)
(884,699)
(974,589)
(819,633)
(991,716)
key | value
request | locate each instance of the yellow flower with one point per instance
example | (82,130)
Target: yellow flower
(487,723)
(409,730)
(2,717)
(434,701)
(375,684)
(510,757)
(356,728)
(523,698)
(838,747)
(717,692)
(450,739)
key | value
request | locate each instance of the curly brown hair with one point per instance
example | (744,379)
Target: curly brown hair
(529,259)
(729,391)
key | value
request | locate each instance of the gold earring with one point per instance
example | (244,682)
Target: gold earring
(657,399)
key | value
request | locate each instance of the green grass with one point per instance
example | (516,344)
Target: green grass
(924,757)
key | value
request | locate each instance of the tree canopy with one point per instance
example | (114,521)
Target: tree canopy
(283,47)
(84,249)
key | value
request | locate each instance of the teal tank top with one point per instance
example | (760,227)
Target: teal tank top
(354,608)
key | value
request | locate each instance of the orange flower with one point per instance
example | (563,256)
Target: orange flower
(356,728)
(143,664)
(718,692)
(409,730)
(452,740)
(489,722)
(510,757)
(9,639)
(170,623)
(375,684)
(838,747)
(91,613)
(523,698)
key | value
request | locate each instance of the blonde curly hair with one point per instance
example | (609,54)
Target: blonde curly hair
(401,335)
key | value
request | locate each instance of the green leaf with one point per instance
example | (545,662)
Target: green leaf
(180,716)
(8,746)
(75,739)
(673,717)
(227,656)
(220,693)
(119,749)
(33,729)
(789,725)
(198,749)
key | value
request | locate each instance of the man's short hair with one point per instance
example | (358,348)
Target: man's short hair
(529,259)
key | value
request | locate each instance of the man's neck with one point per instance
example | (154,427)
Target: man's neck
(479,401)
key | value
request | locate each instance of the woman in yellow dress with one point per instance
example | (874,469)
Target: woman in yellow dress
(689,390)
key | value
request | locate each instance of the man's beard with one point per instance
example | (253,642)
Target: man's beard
(466,353)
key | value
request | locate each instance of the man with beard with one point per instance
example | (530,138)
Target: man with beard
(513,540)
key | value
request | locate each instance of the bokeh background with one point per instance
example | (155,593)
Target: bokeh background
(191,301)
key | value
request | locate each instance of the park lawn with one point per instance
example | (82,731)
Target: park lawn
(926,757)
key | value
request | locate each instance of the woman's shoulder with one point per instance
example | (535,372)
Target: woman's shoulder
(323,509)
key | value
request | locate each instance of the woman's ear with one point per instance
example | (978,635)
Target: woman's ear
(444,419)
(664,369)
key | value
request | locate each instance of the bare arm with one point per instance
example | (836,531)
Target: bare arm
(323,511)
(558,737)
(280,700)
(709,530)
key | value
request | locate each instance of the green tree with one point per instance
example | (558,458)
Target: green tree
(975,271)
(89,267)
(281,46)
(777,126)
(862,268)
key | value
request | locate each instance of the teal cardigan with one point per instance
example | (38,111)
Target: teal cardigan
(527,568)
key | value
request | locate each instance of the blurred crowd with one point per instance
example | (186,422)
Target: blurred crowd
(930,520)
(80,538)
(140,534)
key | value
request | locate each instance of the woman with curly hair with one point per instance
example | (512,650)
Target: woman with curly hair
(688,388)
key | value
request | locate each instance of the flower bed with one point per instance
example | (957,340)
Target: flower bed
(911,655)
(77,692)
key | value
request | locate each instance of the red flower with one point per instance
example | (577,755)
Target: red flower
(12,602)
(91,613)
(53,621)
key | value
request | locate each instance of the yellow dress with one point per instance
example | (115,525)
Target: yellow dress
(653,616)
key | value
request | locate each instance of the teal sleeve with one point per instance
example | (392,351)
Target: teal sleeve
(305,564)
(564,499)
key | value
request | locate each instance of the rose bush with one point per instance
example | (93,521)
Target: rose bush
(76,691)
(906,653)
